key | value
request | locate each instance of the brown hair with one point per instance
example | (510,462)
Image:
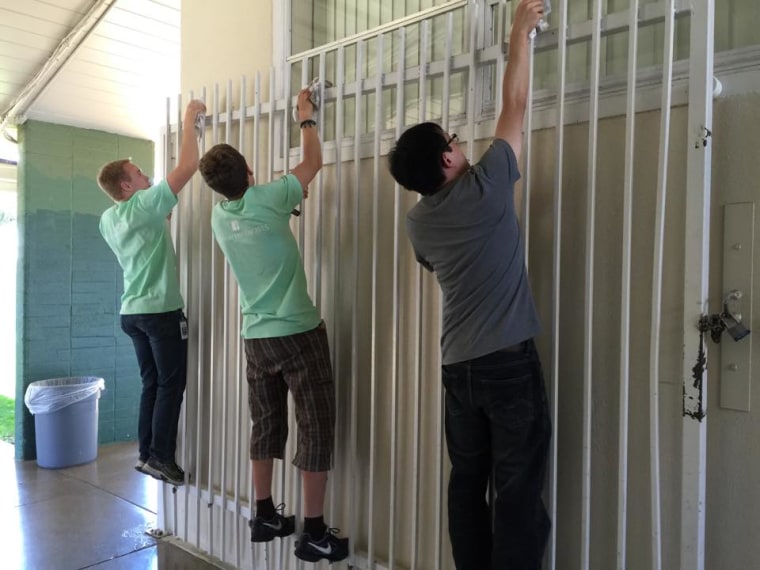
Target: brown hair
(111,176)
(225,170)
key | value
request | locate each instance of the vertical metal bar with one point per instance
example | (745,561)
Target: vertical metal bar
(500,26)
(184,225)
(556,265)
(335,16)
(625,295)
(270,134)
(248,483)
(215,118)
(400,107)
(240,525)
(472,12)
(355,494)
(241,118)
(202,281)
(528,142)
(213,358)
(657,275)
(337,282)
(295,479)
(440,430)
(302,248)
(167,137)
(286,168)
(228,123)
(379,63)
(588,362)
(320,193)
(256,125)
(255,143)
(418,323)
(270,175)
(225,348)
(199,364)
(161,515)
(697,263)
(447,73)
(236,360)
(302,219)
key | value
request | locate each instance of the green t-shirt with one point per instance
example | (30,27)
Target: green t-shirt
(137,232)
(254,234)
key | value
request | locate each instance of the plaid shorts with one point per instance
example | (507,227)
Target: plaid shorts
(300,363)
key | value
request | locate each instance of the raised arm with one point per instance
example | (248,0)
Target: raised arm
(307,169)
(516,77)
(187,163)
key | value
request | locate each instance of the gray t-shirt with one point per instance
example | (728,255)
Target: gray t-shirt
(468,234)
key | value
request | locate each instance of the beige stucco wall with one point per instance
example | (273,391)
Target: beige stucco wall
(224,40)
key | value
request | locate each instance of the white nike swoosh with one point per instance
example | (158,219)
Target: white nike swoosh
(322,549)
(277,526)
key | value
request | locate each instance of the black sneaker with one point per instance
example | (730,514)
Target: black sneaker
(329,547)
(167,471)
(264,530)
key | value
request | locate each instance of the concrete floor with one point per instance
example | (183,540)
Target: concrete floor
(89,516)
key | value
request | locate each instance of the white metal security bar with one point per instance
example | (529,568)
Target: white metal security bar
(625,294)
(694,438)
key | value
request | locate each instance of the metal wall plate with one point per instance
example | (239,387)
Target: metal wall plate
(738,253)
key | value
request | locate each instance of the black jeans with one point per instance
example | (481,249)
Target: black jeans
(162,357)
(497,419)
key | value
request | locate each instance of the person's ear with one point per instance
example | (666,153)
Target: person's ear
(126,188)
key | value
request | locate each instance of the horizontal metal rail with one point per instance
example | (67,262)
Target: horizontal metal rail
(392,26)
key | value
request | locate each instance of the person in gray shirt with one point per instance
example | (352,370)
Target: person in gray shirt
(465,229)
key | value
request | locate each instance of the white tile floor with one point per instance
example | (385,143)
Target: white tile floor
(89,516)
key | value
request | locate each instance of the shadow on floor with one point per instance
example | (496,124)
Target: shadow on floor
(89,516)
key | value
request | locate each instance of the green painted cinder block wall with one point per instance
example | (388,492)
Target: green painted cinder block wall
(69,283)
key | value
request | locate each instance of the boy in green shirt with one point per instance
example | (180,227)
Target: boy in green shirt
(135,229)
(285,340)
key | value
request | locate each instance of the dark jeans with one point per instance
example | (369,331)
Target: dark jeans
(162,357)
(497,420)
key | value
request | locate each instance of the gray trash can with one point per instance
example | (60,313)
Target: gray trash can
(65,419)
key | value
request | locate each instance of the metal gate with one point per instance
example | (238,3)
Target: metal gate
(591,198)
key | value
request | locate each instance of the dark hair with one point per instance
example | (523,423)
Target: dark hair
(225,170)
(415,161)
(111,176)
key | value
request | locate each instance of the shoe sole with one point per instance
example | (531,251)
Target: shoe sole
(156,474)
(317,557)
(269,538)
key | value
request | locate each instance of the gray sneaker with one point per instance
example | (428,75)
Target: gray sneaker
(167,471)
(139,466)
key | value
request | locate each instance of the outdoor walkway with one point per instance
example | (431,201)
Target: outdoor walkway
(90,516)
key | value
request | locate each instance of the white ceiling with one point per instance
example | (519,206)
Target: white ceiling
(116,80)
